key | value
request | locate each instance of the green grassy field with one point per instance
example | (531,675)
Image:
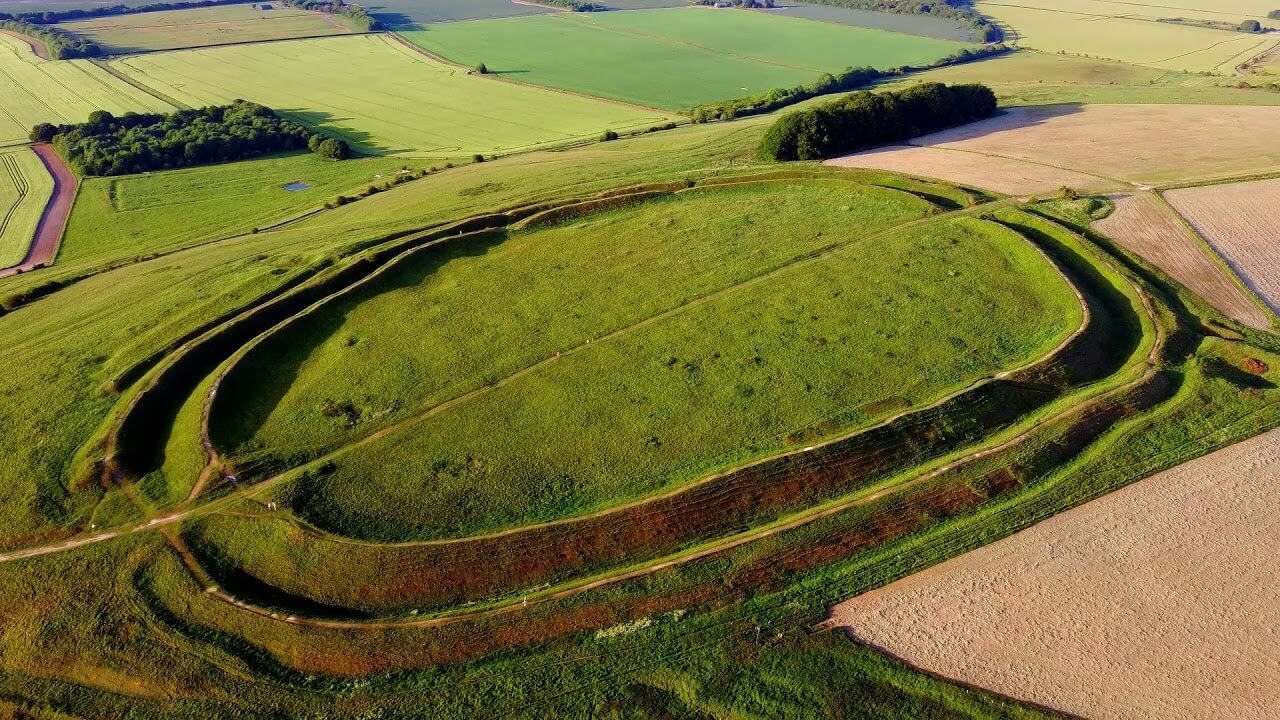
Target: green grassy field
(64,91)
(789,363)
(689,55)
(123,217)
(199,27)
(1119,31)
(395,100)
(25,188)
(923,25)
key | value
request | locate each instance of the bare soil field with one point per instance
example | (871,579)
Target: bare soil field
(989,172)
(1137,144)
(1241,222)
(1145,225)
(1169,578)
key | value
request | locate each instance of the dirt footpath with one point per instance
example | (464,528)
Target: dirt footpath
(1156,601)
(44,246)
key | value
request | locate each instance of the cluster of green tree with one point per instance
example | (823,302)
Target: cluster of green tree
(865,119)
(739,3)
(1250,26)
(405,175)
(358,16)
(959,10)
(61,44)
(49,17)
(109,145)
(850,79)
(1274,14)
(575,5)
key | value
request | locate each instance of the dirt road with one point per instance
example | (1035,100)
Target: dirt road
(44,246)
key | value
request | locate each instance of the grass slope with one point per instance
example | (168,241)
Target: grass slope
(811,352)
(63,91)
(392,100)
(123,217)
(25,187)
(688,55)
(222,25)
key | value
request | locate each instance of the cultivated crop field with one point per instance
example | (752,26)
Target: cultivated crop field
(1240,221)
(1144,224)
(60,91)
(1152,578)
(690,55)
(1112,144)
(398,102)
(1132,33)
(25,187)
(223,25)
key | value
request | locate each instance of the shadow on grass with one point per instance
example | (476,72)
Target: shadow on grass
(343,128)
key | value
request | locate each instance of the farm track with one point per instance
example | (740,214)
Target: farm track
(37,48)
(53,220)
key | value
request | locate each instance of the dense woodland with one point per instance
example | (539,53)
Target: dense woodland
(865,119)
(107,145)
(827,84)
(32,20)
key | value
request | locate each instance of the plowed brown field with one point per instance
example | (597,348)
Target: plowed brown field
(1241,221)
(1113,144)
(1157,600)
(1003,175)
(1145,225)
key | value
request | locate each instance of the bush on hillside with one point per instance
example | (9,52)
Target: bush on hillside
(107,145)
(1274,14)
(865,119)
(332,149)
(1251,26)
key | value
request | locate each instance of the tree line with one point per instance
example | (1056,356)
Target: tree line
(575,5)
(132,143)
(865,119)
(61,44)
(959,10)
(827,84)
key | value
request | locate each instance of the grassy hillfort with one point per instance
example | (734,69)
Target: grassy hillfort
(638,359)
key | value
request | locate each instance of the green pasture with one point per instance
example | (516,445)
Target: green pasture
(25,188)
(399,14)
(672,58)
(392,100)
(817,349)
(528,298)
(63,91)
(1116,32)
(122,217)
(198,27)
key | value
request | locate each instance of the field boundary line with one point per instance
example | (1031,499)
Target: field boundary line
(189,48)
(1237,273)
(417,49)
(130,80)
